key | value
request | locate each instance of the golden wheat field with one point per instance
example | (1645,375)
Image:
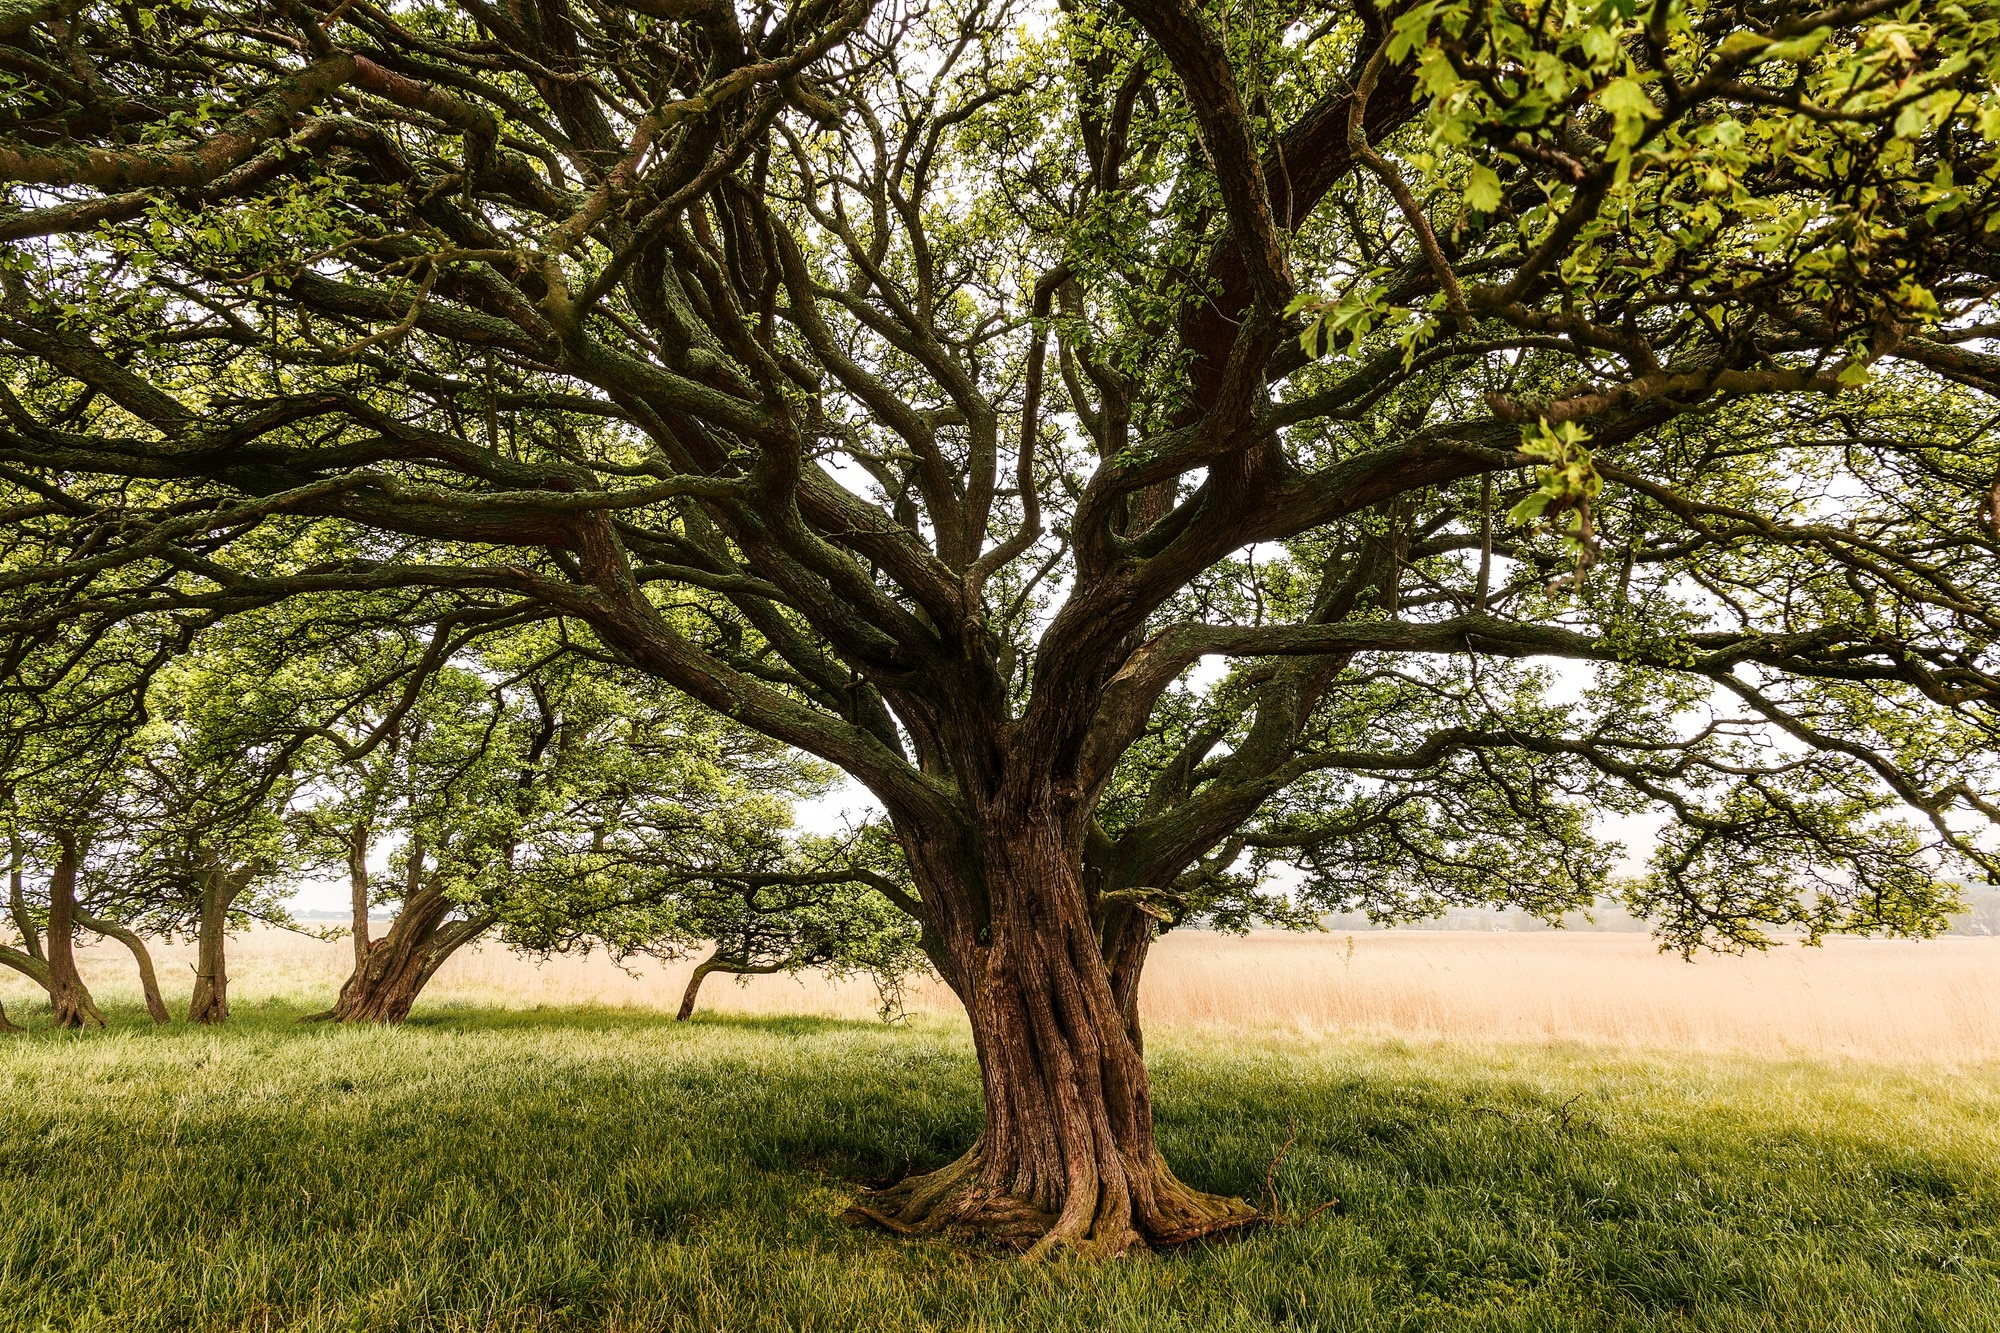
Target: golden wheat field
(1936,1000)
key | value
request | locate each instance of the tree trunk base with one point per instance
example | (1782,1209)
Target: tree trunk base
(208,1007)
(393,973)
(389,1004)
(960,1200)
(72,1007)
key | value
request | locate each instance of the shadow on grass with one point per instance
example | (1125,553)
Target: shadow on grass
(480,1163)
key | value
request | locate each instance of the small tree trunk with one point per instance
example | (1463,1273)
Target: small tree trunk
(357,885)
(386,982)
(701,971)
(17,897)
(1066,1158)
(69,998)
(219,890)
(149,982)
(715,962)
(28,961)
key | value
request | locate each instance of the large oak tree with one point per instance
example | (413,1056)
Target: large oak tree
(933,386)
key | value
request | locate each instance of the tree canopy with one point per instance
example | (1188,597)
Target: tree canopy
(1523,410)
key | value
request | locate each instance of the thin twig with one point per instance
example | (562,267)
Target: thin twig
(1272,1215)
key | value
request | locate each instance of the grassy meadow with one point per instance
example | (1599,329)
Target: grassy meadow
(589,1164)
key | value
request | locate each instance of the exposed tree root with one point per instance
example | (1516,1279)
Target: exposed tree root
(1273,1215)
(958,1200)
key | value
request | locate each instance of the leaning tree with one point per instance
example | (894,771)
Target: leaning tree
(72,701)
(1146,443)
(526,786)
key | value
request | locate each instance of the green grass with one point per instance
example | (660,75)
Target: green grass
(480,1170)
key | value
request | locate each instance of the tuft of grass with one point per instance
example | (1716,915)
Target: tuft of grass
(484,1169)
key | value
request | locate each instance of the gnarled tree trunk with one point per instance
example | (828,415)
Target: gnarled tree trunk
(1066,1157)
(220,888)
(395,969)
(69,998)
(149,982)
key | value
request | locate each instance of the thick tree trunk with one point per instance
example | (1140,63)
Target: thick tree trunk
(69,998)
(715,962)
(387,979)
(219,891)
(149,982)
(1066,1158)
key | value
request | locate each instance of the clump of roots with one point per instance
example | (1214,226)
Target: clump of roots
(1113,1219)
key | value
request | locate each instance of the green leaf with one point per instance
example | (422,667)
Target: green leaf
(1630,107)
(1736,43)
(1799,48)
(1530,508)
(1482,189)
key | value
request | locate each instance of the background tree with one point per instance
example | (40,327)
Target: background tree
(742,888)
(71,706)
(212,777)
(932,387)
(527,783)
(433,788)
(172,743)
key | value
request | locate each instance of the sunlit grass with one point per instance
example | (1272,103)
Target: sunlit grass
(489,1169)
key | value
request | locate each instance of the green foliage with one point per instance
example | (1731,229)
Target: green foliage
(1568,486)
(758,898)
(538,788)
(1647,339)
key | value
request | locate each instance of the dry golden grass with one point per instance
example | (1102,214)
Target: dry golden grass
(1876,999)
(1935,1000)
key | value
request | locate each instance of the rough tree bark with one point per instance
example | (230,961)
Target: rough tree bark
(1067,1155)
(149,981)
(220,888)
(69,998)
(395,969)
(715,962)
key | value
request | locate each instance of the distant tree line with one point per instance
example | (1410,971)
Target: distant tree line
(176,780)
